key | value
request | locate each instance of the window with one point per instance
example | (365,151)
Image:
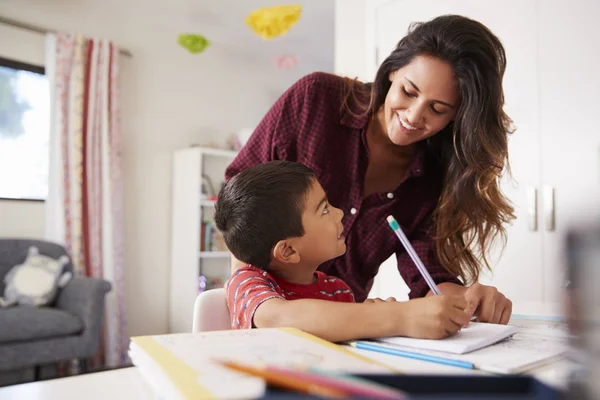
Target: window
(24,131)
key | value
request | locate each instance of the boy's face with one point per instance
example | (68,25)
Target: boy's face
(323,238)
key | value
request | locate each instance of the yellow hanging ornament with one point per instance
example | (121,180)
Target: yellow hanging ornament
(270,22)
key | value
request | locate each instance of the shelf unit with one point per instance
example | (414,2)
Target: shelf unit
(189,208)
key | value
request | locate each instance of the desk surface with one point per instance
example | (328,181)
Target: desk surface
(127,383)
(124,383)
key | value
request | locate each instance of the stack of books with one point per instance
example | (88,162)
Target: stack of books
(242,364)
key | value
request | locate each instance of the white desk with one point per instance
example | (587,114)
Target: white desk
(127,383)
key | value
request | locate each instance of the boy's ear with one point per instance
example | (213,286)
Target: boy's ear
(286,252)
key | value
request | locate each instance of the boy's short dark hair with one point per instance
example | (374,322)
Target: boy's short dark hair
(261,206)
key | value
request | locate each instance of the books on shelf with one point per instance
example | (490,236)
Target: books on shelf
(210,237)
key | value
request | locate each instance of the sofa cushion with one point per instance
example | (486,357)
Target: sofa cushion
(23,323)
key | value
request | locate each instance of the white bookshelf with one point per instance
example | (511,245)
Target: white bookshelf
(189,207)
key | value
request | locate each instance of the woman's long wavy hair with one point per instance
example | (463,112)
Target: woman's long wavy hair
(473,149)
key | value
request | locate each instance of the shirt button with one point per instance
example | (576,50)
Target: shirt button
(353,211)
(390,195)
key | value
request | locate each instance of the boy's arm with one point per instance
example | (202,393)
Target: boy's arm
(255,300)
(431,318)
(331,320)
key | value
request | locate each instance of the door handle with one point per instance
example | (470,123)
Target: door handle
(532,208)
(549,213)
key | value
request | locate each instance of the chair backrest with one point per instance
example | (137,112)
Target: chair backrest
(14,251)
(211,312)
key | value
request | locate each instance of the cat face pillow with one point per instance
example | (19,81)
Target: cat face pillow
(36,281)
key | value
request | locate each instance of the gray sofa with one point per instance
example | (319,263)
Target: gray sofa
(68,329)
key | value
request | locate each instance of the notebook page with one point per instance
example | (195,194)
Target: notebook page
(521,352)
(476,336)
(276,347)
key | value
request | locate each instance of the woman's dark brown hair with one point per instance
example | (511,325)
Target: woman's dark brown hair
(471,210)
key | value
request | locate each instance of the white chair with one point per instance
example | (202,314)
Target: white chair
(211,312)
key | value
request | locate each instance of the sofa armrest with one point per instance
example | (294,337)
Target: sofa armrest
(84,297)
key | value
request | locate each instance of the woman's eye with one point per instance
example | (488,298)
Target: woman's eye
(326,209)
(435,111)
(408,94)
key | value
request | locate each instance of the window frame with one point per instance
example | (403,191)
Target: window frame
(20,65)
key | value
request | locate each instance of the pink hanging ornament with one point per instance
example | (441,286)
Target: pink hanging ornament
(286,62)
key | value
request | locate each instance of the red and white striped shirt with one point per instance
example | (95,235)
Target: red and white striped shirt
(249,287)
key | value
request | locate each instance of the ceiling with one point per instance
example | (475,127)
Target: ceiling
(221,21)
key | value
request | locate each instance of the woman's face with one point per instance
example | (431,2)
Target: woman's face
(421,101)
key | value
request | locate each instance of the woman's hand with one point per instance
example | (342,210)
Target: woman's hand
(488,304)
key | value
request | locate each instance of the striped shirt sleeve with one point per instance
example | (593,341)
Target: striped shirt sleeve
(247,289)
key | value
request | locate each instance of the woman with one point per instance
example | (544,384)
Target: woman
(425,142)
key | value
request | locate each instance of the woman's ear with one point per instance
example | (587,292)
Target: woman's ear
(285,252)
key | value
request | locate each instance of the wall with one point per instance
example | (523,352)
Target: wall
(170,99)
(350,39)
(21,218)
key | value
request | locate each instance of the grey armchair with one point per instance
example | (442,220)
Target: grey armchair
(68,329)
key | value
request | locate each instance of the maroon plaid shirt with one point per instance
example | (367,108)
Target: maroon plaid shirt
(307,125)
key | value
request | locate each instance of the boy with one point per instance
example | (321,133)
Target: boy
(275,217)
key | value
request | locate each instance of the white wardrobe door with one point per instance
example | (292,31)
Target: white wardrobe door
(518,272)
(569,65)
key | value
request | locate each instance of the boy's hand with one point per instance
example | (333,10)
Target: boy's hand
(435,317)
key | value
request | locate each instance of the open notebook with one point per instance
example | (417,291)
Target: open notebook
(476,336)
(182,366)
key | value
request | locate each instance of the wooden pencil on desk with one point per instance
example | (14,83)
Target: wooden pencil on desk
(285,381)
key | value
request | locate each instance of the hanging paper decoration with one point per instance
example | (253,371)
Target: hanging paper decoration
(194,43)
(286,62)
(270,22)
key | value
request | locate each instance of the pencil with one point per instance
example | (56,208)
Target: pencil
(409,354)
(413,254)
(286,380)
(353,386)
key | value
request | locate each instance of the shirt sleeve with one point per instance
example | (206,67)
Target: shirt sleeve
(246,290)
(424,246)
(273,138)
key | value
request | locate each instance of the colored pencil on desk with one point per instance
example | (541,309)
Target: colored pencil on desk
(380,348)
(361,387)
(286,380)
(347,385)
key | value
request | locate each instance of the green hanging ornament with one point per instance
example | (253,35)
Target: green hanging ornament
(193,43)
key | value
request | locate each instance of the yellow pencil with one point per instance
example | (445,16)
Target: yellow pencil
(286,381)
